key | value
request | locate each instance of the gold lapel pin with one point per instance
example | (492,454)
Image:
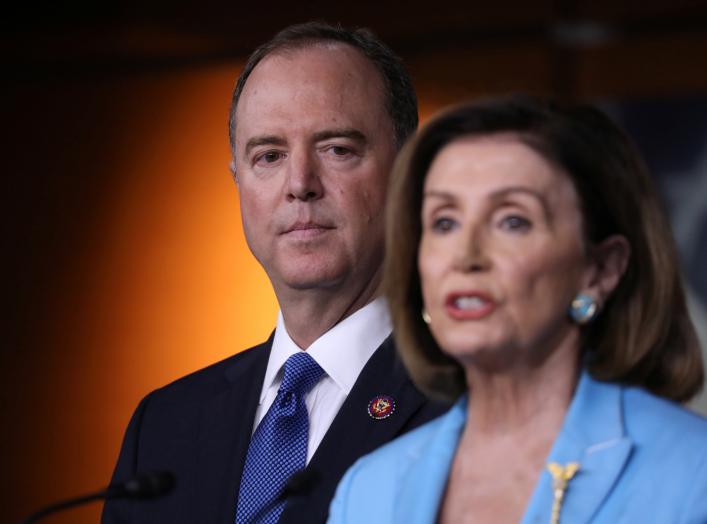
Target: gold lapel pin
(561,476)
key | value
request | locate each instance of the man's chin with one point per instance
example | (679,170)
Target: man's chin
(310,278)
(313,282)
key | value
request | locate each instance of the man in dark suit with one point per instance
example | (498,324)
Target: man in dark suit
(318,115)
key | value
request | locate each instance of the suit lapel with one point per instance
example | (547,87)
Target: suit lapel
(225,429)
(354,433)
(422,485)
(593,435)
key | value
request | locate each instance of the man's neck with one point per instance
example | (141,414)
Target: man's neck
(308,314)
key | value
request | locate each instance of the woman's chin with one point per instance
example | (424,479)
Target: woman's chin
(482,355)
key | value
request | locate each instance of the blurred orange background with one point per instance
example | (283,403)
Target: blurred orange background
(157,280)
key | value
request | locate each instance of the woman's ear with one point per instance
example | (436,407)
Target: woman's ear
(609,260)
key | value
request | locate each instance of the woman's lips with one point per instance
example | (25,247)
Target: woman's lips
(469,305)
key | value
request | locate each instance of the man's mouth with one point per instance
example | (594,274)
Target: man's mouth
(305,230)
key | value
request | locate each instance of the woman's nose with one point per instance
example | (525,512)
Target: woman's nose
(472,251)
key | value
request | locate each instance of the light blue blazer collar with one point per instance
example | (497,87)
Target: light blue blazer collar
(592,434)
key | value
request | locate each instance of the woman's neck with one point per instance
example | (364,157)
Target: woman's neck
(523,397)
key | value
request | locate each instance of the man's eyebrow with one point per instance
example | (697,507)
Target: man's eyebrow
(348,132)
(264,140)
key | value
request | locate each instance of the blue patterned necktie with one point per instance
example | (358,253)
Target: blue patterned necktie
(278,447)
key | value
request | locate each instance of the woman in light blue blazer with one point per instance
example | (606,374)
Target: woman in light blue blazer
(531,275)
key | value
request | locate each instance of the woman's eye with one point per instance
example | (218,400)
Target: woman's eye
(443,224)
(515,223)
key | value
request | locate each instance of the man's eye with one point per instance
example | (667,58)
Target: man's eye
(340,151)
(443,224)
(269,157)
(515,223)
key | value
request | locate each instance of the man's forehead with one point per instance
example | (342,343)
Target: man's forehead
(313,88)
(312,48)
(286,122)
(329,67)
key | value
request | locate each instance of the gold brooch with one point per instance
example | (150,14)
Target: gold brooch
(561,476)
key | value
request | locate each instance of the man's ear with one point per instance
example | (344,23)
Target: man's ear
(609,260)
(232,168)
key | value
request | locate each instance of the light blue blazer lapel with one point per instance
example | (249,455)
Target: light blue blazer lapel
(593,435)
(422,485)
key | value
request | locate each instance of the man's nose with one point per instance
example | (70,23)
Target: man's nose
(472,250)
(304,181)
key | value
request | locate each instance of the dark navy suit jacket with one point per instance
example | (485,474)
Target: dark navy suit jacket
(199,428)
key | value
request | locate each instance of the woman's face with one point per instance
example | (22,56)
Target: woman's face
(501,255)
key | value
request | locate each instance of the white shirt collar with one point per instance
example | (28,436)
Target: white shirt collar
(342,352)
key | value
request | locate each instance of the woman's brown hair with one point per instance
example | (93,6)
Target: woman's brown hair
(643,336)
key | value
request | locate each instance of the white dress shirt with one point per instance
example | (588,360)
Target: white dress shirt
(341,352)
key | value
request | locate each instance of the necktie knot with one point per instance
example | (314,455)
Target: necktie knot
(301,374)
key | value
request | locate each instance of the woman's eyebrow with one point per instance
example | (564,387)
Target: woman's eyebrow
(500,194)
(442,195)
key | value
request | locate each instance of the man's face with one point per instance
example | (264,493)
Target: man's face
(314,146)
